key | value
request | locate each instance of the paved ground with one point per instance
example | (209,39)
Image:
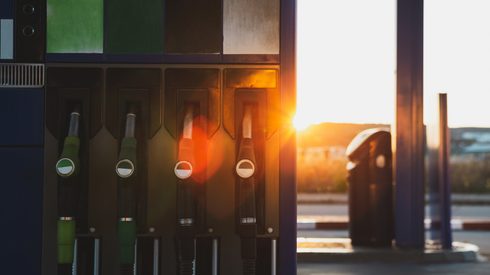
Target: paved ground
(479,238)
(394,269)
(482,239)
(336,207)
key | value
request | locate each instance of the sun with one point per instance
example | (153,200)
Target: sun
(300,123)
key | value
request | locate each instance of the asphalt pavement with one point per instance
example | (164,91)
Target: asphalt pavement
(335,206)
(480,268)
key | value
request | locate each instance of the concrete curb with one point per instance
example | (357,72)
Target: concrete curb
(342,198)
(343,224)
(324,250)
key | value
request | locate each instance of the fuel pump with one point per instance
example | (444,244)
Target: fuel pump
(126,170)
(247,214)
(67,168)
(186,198)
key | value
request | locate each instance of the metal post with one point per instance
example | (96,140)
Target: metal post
(409,131)
(443,169)
(287,197)
(156,256)
(214,268)
(273,257)
(74,266)
(135,266)
(96,256)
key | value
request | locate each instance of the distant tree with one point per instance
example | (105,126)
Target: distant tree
(317,172)
(471,175)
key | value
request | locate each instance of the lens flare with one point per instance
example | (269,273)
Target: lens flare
(300,124)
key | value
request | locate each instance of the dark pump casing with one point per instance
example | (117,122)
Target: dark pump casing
(29,30)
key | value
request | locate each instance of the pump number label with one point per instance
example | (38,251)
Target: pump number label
(65,167)
(245,168)
(124,168)
(183,169)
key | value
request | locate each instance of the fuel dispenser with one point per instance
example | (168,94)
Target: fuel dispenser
(193,197)
(73,118)
(200,195)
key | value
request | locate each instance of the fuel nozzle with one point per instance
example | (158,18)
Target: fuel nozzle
(67,168)
(186,200)
(245,170)
(125,169)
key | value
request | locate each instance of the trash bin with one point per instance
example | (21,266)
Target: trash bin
(370,188)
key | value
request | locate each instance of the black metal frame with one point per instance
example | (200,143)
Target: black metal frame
(165,58)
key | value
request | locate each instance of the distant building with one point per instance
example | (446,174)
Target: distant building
(470,141)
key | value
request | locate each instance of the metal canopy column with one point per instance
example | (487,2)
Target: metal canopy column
(287,200)
(409,212)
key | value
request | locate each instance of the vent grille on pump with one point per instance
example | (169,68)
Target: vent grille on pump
(21,75)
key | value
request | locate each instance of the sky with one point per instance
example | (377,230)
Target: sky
(346,53)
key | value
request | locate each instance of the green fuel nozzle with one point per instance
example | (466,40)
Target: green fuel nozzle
(66,240)
(125,169)
(67,167)
(126,232)
(69,161)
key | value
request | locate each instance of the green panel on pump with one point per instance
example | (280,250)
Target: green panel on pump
(134,27)
(75,26)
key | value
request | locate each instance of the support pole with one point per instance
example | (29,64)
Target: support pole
(286,261)
(409,131)
(443,170)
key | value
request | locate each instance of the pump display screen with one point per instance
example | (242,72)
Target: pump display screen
(6,39)
(75,26)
